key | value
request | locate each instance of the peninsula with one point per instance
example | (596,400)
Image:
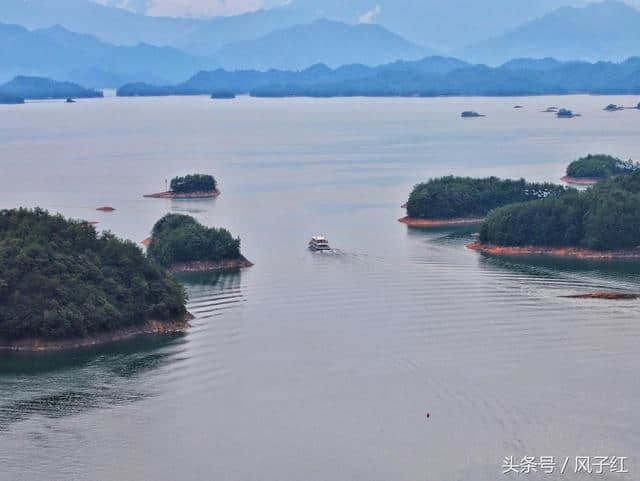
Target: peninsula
(591,169)
(465,200)
(601,222)
(181,244)
(194,186)
(64,286)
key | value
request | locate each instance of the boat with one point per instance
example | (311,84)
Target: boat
(566,114)
(319,243)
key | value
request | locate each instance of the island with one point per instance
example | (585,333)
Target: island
(223,94)
(44,88)
(181,244)
(194,186)
(464,200)
(594,167)
(470,114)
(598,223)
(10,99)
(551,110)
(613,108)
(64,286)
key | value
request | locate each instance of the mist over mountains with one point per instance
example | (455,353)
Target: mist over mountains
(103,46)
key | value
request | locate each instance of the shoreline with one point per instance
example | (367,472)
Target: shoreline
(577,252)
(125,333)
(415,222)
(210,266)
(580,180)
(205,194)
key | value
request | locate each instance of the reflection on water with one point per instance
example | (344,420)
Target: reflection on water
(322,367)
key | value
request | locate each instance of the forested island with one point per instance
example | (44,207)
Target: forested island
(193,186)
(599,222)
(181,244)
(62,285)
(44,88)
(429,77)
(593,168)
(10,99)
(465,200)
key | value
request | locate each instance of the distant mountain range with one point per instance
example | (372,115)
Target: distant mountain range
(434,76)
(64,55)
(440,24)
(59,53)
(600,31)
(322,41)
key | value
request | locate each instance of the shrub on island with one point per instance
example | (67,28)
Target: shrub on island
(465,197)
(59,279)
(603,218)
(193,183)
(600,166)
(180,239)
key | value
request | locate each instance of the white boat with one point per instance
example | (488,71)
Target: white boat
(319,243)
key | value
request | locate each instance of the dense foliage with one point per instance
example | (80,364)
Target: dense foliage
(429,77)
(193,183)
(605,217)
(10,99)
(59,279)
(44,88)
(180,238)
(464,197)
(600,166)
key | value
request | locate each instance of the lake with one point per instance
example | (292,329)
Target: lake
(323,367)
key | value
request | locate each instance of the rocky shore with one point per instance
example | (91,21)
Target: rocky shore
(46,345)
(207,194)
(576,252)
(580,180)
(209,266)
(413,222)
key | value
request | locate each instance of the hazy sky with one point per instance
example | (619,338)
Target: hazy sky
(196,8)
(192,7)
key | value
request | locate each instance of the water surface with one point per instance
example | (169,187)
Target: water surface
(323,367)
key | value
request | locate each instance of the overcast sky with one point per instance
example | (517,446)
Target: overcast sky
(196,8)
(192,8)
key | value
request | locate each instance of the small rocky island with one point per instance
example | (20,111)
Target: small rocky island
(465,200)
(599,223)
(467,114)
(181,244)
(613,108)
(194,186)
(593,168)
(64,286)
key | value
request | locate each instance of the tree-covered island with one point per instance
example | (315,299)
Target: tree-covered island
(63,285)
(593,168)
(465,200)
(181,244)
(193,186)
(603,221)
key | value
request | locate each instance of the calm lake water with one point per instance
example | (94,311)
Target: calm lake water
(323,367)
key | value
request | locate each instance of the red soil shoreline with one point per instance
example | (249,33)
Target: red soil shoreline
(576,252)
(413,222)
(44,345)
(611,296)
(208,266)
(580,180)
(208,194)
